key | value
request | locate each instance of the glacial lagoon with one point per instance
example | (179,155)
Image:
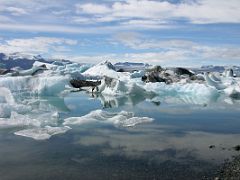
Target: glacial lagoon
(185,138)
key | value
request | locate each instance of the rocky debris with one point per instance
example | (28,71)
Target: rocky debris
(229,170)
(121,70)
(82,83)
(16,72)
(183,71)
(237,148)
(5,71)
(168,76)
(43,67)
(212,146)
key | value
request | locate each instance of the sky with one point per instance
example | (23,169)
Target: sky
(164,32)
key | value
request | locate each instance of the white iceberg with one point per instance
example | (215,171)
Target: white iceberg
(42,85)
(102,69)
(42,133)
(123,86)
(123,118)
(228,85)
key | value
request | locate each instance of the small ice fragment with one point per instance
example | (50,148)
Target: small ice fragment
(42,133)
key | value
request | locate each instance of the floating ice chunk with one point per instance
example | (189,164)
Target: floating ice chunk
(233,91)
(123,118)
(111,86)
(6,96)
(137,74)
(134,121)
(5,111)
(215,76)
(42,133)
(43,85)
(84,67)
(228,73)
(103,69)
(213,83)
(31,71)
(55,115)
(229,85)
(48,65)
(195,89)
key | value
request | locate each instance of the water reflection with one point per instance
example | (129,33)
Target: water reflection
(118,101)
(150,138)
(179,102)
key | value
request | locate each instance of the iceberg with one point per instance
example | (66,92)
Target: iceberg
(112,86)
(226,84)
(102,69)
(42,85)
(121,119)
(137,74)
(42,133)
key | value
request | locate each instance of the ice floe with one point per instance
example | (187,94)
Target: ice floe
(123,118)
(42,133)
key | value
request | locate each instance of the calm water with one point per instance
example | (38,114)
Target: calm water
(174,146)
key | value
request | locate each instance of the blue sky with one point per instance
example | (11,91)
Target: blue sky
(173,32)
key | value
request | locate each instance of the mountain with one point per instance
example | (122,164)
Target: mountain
(130,64)
(25,61)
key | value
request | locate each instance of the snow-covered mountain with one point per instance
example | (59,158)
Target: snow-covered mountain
(24,61)
(130,66)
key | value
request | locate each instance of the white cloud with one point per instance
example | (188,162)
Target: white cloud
(177,48)
(70,29)
(92,8)
(56,16)
(138,41)
(37,45)
(45,28)
(5,19)
(16,11)
(163,58)
(172,53)
(200,11)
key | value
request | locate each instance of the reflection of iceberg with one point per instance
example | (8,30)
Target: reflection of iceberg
(123,118)
(19,120)
(42,133)
(31,111)
(56,102)
(8,104)
(117,101)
